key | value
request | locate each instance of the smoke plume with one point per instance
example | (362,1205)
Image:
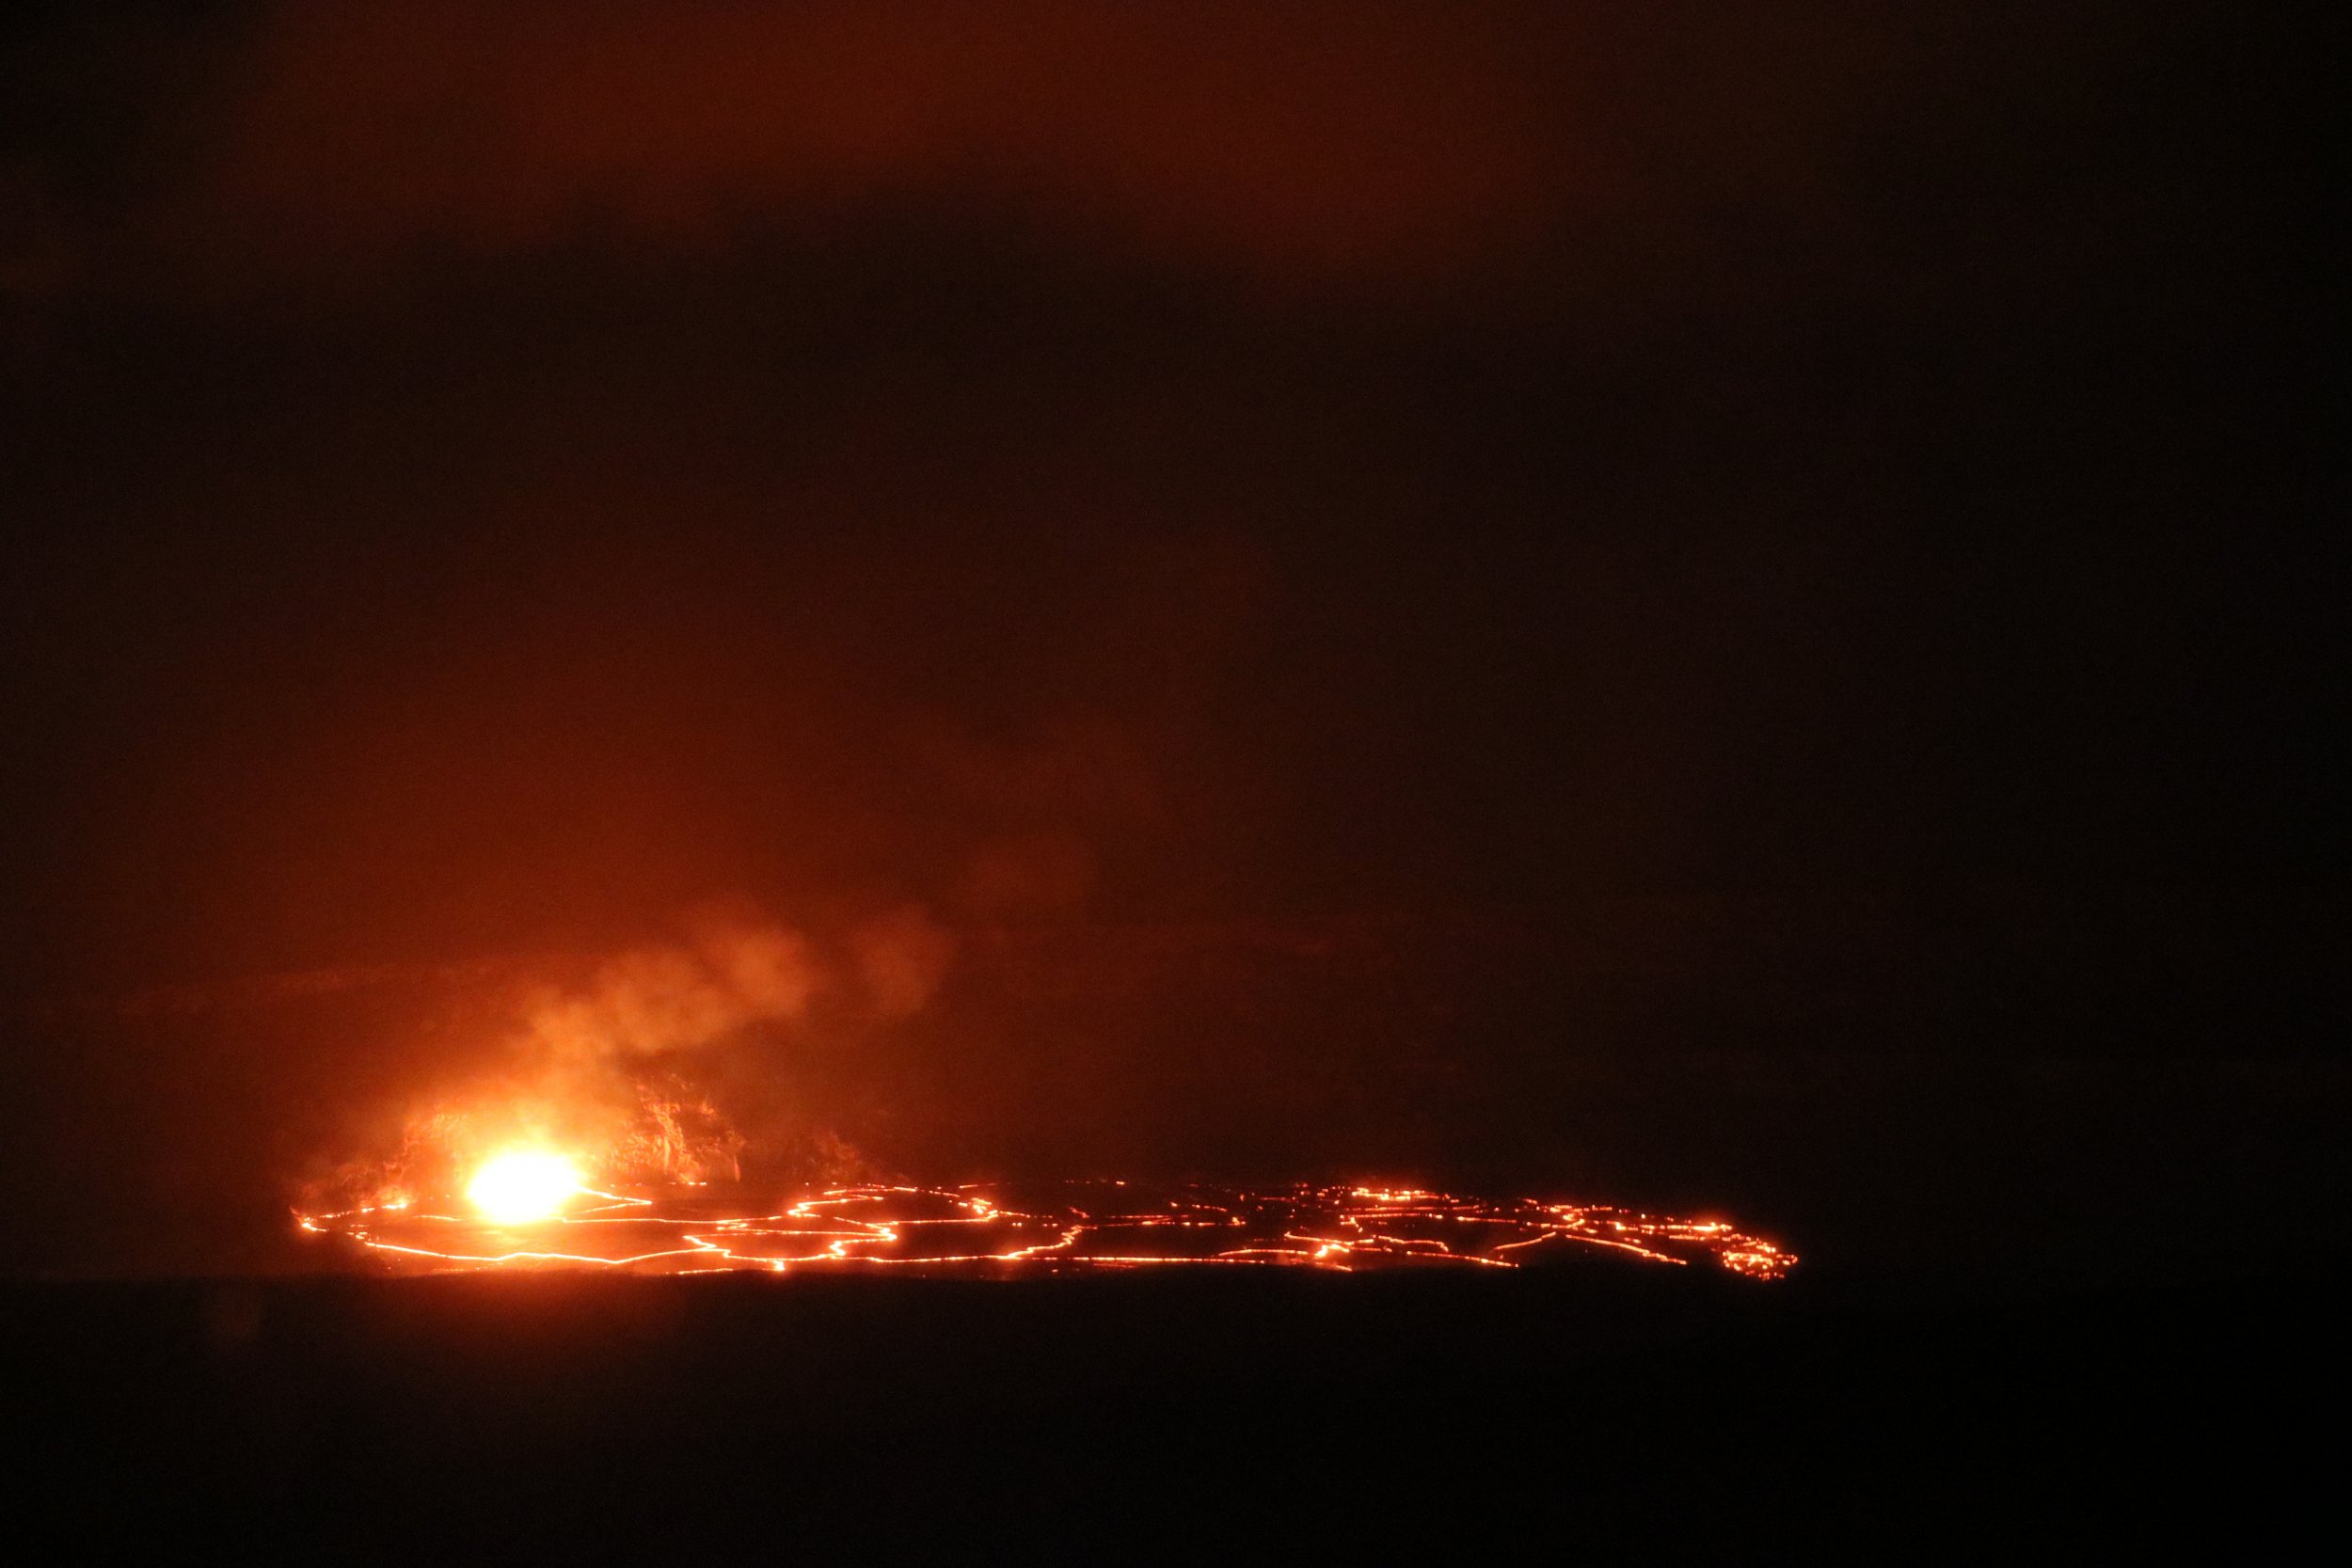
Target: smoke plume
(669,999)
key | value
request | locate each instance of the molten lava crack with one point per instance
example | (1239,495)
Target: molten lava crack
(1060,1228)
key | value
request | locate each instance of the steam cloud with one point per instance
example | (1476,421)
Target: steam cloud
(623,1066)
(663,1000)
(677,998)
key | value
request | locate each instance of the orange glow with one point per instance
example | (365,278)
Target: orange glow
(523,1186)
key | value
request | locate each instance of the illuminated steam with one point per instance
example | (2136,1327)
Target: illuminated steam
(616,1070)
(672,999)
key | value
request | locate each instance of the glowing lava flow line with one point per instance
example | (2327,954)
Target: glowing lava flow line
(1346,1228)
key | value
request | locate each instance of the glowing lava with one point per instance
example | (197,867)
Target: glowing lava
(1052,1227)
(522,1186)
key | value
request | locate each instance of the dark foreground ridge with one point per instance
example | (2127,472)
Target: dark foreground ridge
(1109,1419)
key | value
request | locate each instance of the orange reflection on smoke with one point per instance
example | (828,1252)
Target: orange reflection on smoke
(1056,1228)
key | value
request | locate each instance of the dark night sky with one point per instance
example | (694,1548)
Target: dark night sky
(1407,583)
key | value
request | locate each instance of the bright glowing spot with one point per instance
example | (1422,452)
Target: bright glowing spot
(524,1185)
